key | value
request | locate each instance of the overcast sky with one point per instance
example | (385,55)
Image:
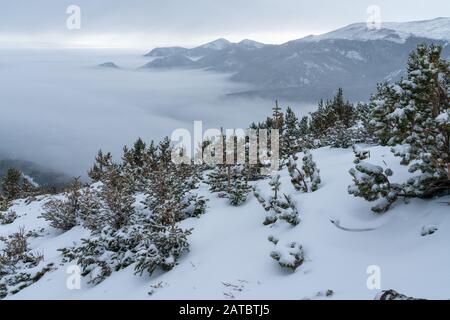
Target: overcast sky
(150,23)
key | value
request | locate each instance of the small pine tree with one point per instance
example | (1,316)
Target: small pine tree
(290,144)
(277,118)
(101,165)
(289,255)
(239,190)
(92,210)
(308,178)
(279,207)
(64,214)
(311,171)
(218,180)
(11,184)
(28,188)
(117,195)
(372,184)
(19,267)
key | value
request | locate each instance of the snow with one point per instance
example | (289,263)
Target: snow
(252,44)
(399,32)
(230,252)
(218,44)
(443,118)
(355,55)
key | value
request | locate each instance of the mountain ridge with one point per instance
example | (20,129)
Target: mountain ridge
(353,57)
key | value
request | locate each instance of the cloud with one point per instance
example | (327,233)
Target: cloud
(58,109)
(156,22)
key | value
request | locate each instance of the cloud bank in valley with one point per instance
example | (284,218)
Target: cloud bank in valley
(57,109)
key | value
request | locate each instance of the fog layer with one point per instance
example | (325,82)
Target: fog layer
(57,109)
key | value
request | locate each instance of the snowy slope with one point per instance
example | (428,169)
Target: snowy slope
(229,254)
(438,29)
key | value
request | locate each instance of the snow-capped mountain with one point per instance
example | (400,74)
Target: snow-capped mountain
(438,29)
(354,57)
(218,44)
(251,44)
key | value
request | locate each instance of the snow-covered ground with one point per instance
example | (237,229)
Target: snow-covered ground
(230,254)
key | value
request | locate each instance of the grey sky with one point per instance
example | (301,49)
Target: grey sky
(150,23)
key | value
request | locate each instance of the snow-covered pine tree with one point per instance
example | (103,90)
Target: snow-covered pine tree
(311,171)
(298,178)
(306,179)
(277,118)
(134,162)
(28,188)
(360,153)
(372,183)
(339,136)
(279,206)
(362,131)
(117,194)
(92,209)
(304,126)
(102,163)
(412,115)
(164,154)
(19,266)
(64,214)
(11,184)
(427,92)
(239,187)
(7,217)
(290,144)
(218,180)
(288,255)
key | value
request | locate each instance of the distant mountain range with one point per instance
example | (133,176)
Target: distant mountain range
(354,57)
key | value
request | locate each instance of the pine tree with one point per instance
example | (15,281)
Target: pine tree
(306,179)
(298,178)
(372,184)
(412,116)
(64,214)
(311,171)
(134,164)
(92,210)
(304,126)
(279,207)
(239,187)
(101,165)
(117,194)
(291,135)
(289,255)
(11,184)
(218,180)
(339,136)
(28,188)
(19,266)
(277,118)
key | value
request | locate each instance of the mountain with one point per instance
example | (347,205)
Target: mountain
(354,57)
(108,65)
(163,52)
(437,29)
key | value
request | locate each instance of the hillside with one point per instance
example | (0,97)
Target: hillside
(230,255)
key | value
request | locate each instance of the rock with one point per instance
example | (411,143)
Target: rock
(393,295)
